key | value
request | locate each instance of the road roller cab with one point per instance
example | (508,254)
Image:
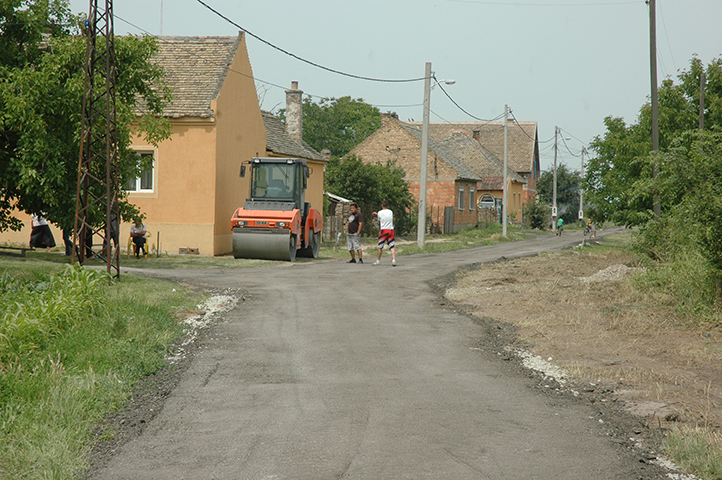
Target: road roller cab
(276,222)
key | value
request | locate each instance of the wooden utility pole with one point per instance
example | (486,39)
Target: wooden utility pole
(654,99)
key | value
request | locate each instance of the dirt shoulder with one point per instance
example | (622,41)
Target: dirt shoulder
(580,311)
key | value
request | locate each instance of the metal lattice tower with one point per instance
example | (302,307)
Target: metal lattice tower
(96,206)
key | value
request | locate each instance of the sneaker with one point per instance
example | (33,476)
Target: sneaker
(353,260)
(376,262)
(360,260)
(393,263)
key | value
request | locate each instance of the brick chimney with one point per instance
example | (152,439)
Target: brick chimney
(294,112)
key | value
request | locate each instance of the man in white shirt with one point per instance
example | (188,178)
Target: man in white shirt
(386,232)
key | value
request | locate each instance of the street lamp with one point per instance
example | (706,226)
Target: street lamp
(421,230)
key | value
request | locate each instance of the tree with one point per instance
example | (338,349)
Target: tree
(337,124)
(371,184)
(41,101)
(536,214)
(618,178)
(568,182)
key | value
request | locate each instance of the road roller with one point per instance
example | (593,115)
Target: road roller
(276,222)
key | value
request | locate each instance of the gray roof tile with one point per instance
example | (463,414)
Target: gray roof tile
(278,141)
(446,154)
(196,68)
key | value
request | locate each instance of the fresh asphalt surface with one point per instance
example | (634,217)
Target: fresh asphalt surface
(331,371)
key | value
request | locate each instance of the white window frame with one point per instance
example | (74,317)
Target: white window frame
(461,198)
(472,200)
(138,181)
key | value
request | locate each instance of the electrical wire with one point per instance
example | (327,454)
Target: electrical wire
(314,64)
(457,105)
(193,53)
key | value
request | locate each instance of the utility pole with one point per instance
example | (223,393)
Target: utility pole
(554,190)
(421,230)
(506,156)
(581,191)
(96,204)
(655,99)
(701,100)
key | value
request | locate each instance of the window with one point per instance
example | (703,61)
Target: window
(144,183)
(461,198)
(471,199)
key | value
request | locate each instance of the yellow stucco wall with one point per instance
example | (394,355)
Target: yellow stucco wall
(515,199)
(197,184)
(241,135)
(183,184)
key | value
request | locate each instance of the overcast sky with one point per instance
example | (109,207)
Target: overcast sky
(566,63)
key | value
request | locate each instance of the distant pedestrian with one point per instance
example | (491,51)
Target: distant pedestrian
(560,226)
(594,229)
(386,232)
(41,236)
(353,235)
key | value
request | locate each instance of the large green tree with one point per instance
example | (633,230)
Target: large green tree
(618,178)
(568,182)
(41,91)
(371,184)
(337,124)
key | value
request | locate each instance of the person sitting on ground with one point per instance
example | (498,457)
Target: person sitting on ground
(137,233)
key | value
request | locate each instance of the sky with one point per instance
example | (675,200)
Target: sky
(565,63)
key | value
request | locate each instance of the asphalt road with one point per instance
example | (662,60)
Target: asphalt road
(333,370)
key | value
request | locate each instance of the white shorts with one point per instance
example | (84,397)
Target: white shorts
(353,241)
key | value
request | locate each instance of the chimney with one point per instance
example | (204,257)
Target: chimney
(475,135)
(294,112)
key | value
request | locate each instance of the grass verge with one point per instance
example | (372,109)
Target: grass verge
(72,348)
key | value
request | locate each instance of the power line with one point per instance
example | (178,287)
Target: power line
(317,65)
(457,105)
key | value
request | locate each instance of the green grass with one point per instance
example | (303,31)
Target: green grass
(72,347)
(697,450)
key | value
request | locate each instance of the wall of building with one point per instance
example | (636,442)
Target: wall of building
(241,135)
(393,143)
(181,205)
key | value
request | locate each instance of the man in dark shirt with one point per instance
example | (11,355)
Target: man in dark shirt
(353,237)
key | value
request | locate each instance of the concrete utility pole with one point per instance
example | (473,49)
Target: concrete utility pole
(506,163)
(554,190)
(421,230)
(701,100)
(581,191)
(654,99)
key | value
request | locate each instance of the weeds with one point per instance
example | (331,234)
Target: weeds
(696,449)
(72,348)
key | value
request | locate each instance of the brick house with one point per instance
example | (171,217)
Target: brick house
(450,182)
(489,168)
(522,153)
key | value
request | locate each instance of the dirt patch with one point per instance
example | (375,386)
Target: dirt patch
(581,311)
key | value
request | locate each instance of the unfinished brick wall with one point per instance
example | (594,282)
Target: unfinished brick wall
(391,142)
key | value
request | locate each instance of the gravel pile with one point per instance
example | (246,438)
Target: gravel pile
(613,273)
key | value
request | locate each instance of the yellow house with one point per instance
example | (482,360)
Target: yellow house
(192,186)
